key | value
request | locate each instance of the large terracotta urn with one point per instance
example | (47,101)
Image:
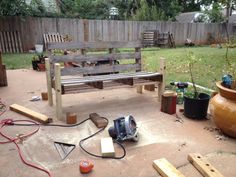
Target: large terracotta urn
(223,110)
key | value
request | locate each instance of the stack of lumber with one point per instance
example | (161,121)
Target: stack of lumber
(10,42)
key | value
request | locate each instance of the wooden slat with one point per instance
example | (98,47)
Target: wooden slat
(94,57)
(95,45)
(112,77)
(100,69)
(9,41)
(1,42)
(16,42)
(13,42)
(19,41)
(29,113)
(5,41)
(203,166)
(166,169)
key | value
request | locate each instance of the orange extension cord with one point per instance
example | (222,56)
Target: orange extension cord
(10,122)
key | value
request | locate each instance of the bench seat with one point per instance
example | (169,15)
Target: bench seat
(88,83)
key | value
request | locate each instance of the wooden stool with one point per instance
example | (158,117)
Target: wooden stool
(168,102)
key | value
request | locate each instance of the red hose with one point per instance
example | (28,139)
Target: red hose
(8,122)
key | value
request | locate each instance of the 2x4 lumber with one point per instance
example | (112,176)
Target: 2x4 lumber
(161,85)
(94,45)
(166,169)
(29,113)
(49,81)
(203,166)
(107,147)
(58,91)
(140,89)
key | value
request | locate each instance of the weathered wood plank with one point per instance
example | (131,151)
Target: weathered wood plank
(95,45)
(135,75)
(100,69)
(94,57)
(203,166)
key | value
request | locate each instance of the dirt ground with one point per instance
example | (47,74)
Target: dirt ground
(161,135)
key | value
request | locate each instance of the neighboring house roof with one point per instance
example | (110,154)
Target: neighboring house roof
(188,17)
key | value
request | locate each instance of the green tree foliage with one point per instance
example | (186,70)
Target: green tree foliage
(215,14)
(37,8)
(14,8)
(193,5)
(148,12)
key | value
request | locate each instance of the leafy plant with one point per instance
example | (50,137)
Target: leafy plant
(191,61)
(40,58)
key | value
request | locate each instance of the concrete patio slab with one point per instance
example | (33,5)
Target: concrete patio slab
(161,135)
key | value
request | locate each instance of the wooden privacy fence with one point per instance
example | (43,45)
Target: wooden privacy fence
(31,29)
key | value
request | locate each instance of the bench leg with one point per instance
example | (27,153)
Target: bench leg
(49,81)
(160,90)
(140,89)
(161,85)
(58,91)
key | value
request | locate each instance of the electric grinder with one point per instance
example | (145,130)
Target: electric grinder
(125,128)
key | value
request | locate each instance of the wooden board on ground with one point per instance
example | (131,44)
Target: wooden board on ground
(29,113)
(166,169)
(203,166)
(98,120)
(107,147)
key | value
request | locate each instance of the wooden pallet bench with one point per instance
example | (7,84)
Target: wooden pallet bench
(121,69)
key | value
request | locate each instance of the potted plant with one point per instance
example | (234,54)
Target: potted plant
(223,105)
(195,103)
(38,62)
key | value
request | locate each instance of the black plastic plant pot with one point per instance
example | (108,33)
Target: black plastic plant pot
(35,65)
(196,108)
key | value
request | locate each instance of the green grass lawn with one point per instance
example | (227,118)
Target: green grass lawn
(18,61)
(207,71)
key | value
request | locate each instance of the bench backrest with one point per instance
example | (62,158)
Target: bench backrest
(52,37)
(128,54)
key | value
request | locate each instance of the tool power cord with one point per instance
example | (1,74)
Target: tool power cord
(84,139)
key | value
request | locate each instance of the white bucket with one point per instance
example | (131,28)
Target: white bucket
(39,48)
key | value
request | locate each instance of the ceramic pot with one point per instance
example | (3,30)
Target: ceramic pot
(223,110)
(41,67)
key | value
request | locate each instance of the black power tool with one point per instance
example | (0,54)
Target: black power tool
(125,128)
